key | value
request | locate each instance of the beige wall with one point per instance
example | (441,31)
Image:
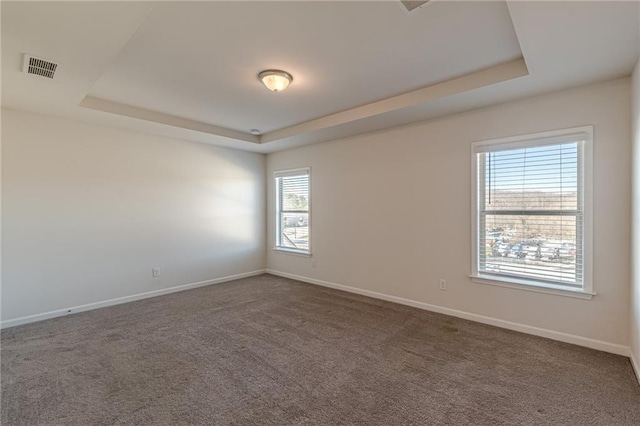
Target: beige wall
(87,211)
(635,250)
(391,212)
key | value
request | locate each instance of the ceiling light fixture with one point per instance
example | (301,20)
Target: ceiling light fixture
(275,80)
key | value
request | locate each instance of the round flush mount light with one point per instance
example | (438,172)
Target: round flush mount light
(275,80)
(255,132)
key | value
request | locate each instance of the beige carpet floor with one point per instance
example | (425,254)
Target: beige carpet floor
(271,351)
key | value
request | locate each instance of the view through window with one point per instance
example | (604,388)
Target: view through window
(292,212)
(530,210)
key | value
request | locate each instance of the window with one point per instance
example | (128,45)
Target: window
(532,210)
(292,211)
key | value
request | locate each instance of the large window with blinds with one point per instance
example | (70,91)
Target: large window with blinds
(292,211)
(532,210)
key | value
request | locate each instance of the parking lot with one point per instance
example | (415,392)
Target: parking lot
(554,260)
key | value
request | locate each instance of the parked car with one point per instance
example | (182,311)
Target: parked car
(494,235)
(295,221)
(501,249)
(568,251)
(517,251)
(548,252)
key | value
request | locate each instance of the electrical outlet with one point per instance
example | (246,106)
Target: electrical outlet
(155,272)
(313,262)
(443,285)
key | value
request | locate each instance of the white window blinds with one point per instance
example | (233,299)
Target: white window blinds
(292,210)
(530,212)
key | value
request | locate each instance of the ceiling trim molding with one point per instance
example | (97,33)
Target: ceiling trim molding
(159,117)
(485,77)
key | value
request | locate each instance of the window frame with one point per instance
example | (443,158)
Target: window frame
(278,203)
(585,169)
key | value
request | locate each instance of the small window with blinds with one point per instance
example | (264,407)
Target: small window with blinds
(292,211)
(532,210)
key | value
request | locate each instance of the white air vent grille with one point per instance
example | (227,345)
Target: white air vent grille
(413,4)
(39,66)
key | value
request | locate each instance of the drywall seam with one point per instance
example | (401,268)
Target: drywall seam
(126,299)
(536,331)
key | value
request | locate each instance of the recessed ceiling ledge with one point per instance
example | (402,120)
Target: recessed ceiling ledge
(485,77)
(488,76)
(169,120)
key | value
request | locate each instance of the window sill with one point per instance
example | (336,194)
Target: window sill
(531,286)
(302,253)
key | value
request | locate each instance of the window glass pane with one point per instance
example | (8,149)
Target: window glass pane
(543,247)
(293,211)
(530,213)
(295,230)
(537,178)
(295,193)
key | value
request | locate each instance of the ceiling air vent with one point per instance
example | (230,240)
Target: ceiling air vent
(413,4)
(39,67)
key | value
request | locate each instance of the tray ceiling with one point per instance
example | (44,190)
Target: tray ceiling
(188,70)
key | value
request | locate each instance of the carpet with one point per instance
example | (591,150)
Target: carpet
(267,350)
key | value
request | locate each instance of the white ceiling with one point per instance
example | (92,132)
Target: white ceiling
(200,60)
(188,69)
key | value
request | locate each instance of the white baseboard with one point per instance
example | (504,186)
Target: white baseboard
(125,299)
(536,331)
(635,365)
